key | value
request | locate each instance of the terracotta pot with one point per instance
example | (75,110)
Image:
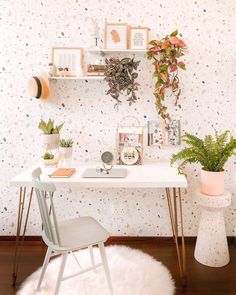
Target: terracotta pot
(51,141)
(212,183)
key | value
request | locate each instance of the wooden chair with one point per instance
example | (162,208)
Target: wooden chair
(67,236)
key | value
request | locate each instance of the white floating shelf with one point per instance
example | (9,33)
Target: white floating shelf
(97,50)
(78,78)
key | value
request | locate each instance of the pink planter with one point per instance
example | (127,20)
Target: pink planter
(212,183)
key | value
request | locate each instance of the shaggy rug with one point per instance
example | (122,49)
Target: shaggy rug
(132,272)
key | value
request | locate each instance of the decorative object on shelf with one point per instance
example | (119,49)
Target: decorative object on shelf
(138,37)
(69,59)
(163,133)
(96,70)
(212,153)
(107,163)
(95,33)
(50,159)
(52,69)
(116,35)
(38,86)
(66,150)
(165,54)
(51,133)
(120,74)
(130,142)
(172,132)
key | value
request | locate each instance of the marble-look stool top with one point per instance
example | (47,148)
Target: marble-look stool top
(213,201)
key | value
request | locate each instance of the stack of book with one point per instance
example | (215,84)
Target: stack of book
(96,70)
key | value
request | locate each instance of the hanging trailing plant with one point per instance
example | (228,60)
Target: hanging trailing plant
(121,75)
(166,53)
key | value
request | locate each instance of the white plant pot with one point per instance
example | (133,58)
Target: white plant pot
(66,152)
(51,141)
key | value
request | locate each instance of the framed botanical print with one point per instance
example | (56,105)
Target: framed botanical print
(68,59)
(116,36)
(130,145)
(138,37)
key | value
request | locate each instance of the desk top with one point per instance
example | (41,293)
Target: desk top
(150,175)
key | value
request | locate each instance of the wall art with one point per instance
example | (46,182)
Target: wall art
(130,145)
(68,60)
(116,35)
(138,37)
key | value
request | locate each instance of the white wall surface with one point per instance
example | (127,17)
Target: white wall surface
(28,30)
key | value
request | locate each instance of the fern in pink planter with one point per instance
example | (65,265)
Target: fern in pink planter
(212,153)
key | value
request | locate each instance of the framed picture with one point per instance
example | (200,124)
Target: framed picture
(130,145)
(69,60)
(116,36)
(138,37)
(172,133)
(156,129)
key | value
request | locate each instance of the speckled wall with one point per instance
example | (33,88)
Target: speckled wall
(28,30)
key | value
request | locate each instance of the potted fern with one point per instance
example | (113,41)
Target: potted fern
(51,133)
(212,153)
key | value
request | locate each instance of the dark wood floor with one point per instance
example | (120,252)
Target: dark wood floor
(202,280)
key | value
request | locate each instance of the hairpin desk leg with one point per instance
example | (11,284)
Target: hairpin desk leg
(20,238)
(173,210)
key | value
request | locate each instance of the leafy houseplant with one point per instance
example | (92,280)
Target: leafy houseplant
(48,156)
(66,147)
(51,136)
(212,153)
(165,54)
(120,75)
(66,143)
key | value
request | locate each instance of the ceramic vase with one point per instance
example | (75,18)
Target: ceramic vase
(51,141)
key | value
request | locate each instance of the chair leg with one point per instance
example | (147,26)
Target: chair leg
(105,264)
(92,257)
(60,274)
(45,264)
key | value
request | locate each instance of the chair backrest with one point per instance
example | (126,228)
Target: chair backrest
(44,192)
(36,173)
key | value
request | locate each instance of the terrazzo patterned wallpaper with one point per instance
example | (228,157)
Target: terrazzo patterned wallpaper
(28,30)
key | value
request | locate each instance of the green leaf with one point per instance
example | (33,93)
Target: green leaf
(175,33)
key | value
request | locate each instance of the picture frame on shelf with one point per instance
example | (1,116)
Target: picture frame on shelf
(116,36)
(138,38)
(68,61)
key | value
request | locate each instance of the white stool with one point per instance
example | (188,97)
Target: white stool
(211,247)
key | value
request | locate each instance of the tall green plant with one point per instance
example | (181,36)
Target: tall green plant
(212,152)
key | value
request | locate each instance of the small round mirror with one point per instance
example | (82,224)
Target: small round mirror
(107,158)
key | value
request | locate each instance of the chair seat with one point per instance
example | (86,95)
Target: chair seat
(78,233)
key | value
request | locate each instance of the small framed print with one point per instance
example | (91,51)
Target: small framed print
(116,36)
(69,60)
(138,37)
(130,145)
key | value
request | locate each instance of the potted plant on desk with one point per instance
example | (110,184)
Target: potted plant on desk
(212,153)
(51,133)
(66,147)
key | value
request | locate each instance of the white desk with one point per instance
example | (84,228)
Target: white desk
(153,175)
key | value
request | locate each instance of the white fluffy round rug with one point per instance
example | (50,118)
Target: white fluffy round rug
(132,272)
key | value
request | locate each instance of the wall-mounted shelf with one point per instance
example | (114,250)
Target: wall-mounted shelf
(99,50)
(78,78)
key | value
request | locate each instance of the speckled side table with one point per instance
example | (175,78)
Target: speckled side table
(211,246)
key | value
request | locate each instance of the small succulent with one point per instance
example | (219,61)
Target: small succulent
(49,128)
(120,75)
(67,143)
(48,156)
